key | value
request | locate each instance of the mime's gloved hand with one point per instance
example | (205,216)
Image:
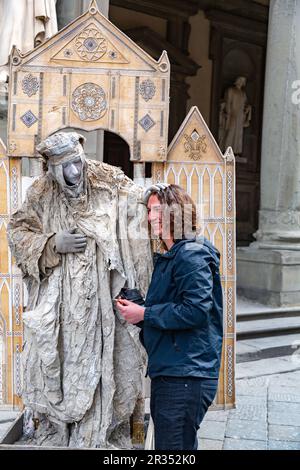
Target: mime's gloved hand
(67,241)
(154,188)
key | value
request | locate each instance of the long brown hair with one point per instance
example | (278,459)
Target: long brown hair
(179,210)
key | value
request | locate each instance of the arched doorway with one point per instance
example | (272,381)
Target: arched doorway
(116,152)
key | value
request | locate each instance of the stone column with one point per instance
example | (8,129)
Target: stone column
(269,270)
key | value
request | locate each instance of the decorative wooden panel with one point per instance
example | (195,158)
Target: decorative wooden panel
(196,163)
(10,288)
(90,75)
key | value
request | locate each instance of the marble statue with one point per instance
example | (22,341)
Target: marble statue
(235,115)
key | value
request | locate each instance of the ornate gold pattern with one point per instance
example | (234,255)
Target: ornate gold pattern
(195,145)
(89,102)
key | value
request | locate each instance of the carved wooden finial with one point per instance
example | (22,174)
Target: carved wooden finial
(15,56)
(93,8)
(229,155)
(163,62)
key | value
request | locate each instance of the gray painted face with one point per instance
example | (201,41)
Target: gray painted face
(72,171)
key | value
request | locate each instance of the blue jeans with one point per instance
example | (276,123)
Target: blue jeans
(178,406)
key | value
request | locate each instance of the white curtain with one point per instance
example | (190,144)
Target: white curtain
(24,24)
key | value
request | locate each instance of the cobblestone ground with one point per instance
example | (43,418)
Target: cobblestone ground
(267,415)
(7,418)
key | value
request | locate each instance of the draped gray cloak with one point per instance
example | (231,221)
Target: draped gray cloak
(82,363)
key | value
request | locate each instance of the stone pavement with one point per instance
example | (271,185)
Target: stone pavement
(7,418)
(267,416)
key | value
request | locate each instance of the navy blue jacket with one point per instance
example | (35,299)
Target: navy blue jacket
(183,323)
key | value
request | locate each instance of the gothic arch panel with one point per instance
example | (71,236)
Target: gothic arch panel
(211,183)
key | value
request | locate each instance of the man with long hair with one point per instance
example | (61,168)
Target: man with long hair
(182,327)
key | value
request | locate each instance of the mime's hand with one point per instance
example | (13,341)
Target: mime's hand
(67,241)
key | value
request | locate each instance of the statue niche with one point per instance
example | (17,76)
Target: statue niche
(234,116)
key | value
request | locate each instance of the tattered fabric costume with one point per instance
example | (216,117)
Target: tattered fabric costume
(83,364)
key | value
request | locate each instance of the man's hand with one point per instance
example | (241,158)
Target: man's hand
(67,241)
(133,313)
